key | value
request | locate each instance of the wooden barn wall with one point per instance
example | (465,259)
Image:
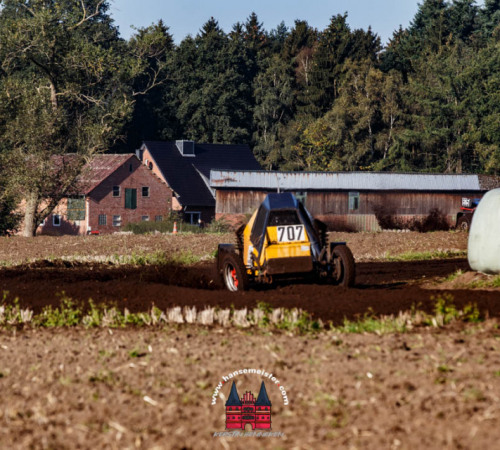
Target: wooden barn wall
(238,202)
(333,206)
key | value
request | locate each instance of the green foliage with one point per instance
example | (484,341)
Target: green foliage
(446,312)
(67,314)
(424,256)
(167,226)
(66,86)
(304,99)
(9,218)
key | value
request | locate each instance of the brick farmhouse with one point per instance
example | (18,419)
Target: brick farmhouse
(114,190)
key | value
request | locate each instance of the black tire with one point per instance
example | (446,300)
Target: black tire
(344,267)
(234,274)
(463,223)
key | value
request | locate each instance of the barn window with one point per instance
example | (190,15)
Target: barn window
(116,191)
(158,218)
(301,196)
(102,219)
(130,198)
(145,218)
(56,220)
(145,191)
(117,221)
(353,201)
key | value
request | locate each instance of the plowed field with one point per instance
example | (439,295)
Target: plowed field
(152,388)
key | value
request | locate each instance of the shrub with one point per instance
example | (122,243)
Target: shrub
(388,219)
(167,226)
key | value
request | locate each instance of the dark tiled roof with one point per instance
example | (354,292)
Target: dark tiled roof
(263,399)
(182,173)
(94,172)
(100,168)
(233,399)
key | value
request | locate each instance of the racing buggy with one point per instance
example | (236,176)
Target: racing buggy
(282,240)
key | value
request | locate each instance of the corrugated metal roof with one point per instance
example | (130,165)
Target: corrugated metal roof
(379,181)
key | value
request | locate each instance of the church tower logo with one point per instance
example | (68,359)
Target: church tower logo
(248,410)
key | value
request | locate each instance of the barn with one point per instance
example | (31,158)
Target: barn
(351,201)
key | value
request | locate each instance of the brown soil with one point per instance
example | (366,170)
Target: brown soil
(150,388)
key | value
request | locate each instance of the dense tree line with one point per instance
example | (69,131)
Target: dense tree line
(302,98)
(336,99)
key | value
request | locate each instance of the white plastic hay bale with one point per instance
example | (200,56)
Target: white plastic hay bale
(484,236)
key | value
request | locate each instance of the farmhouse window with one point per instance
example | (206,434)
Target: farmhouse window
(145,191)
(145,218)
(76,208)
(103,220)
(192,217)
(56,220)
(116,191)
(130,198)
(353,201)
(158,218)
(117,221)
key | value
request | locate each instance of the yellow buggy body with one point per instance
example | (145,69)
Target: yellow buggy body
(282,240)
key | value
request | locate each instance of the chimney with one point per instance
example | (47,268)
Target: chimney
(139,153)
(186,148)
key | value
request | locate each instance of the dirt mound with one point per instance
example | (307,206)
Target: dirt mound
(469,280)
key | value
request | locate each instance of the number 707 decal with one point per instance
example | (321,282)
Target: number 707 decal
(291,233)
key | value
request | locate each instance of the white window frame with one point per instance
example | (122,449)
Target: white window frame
(145,218)
(117,220)
(59,218)
(354,201)
(119,191)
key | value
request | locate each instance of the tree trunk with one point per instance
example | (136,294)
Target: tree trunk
(30,219)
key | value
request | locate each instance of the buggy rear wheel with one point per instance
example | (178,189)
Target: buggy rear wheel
(234,273)
(344,267)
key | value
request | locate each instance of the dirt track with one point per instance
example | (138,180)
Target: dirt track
(381,287)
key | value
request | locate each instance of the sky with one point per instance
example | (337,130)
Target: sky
(185,17)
